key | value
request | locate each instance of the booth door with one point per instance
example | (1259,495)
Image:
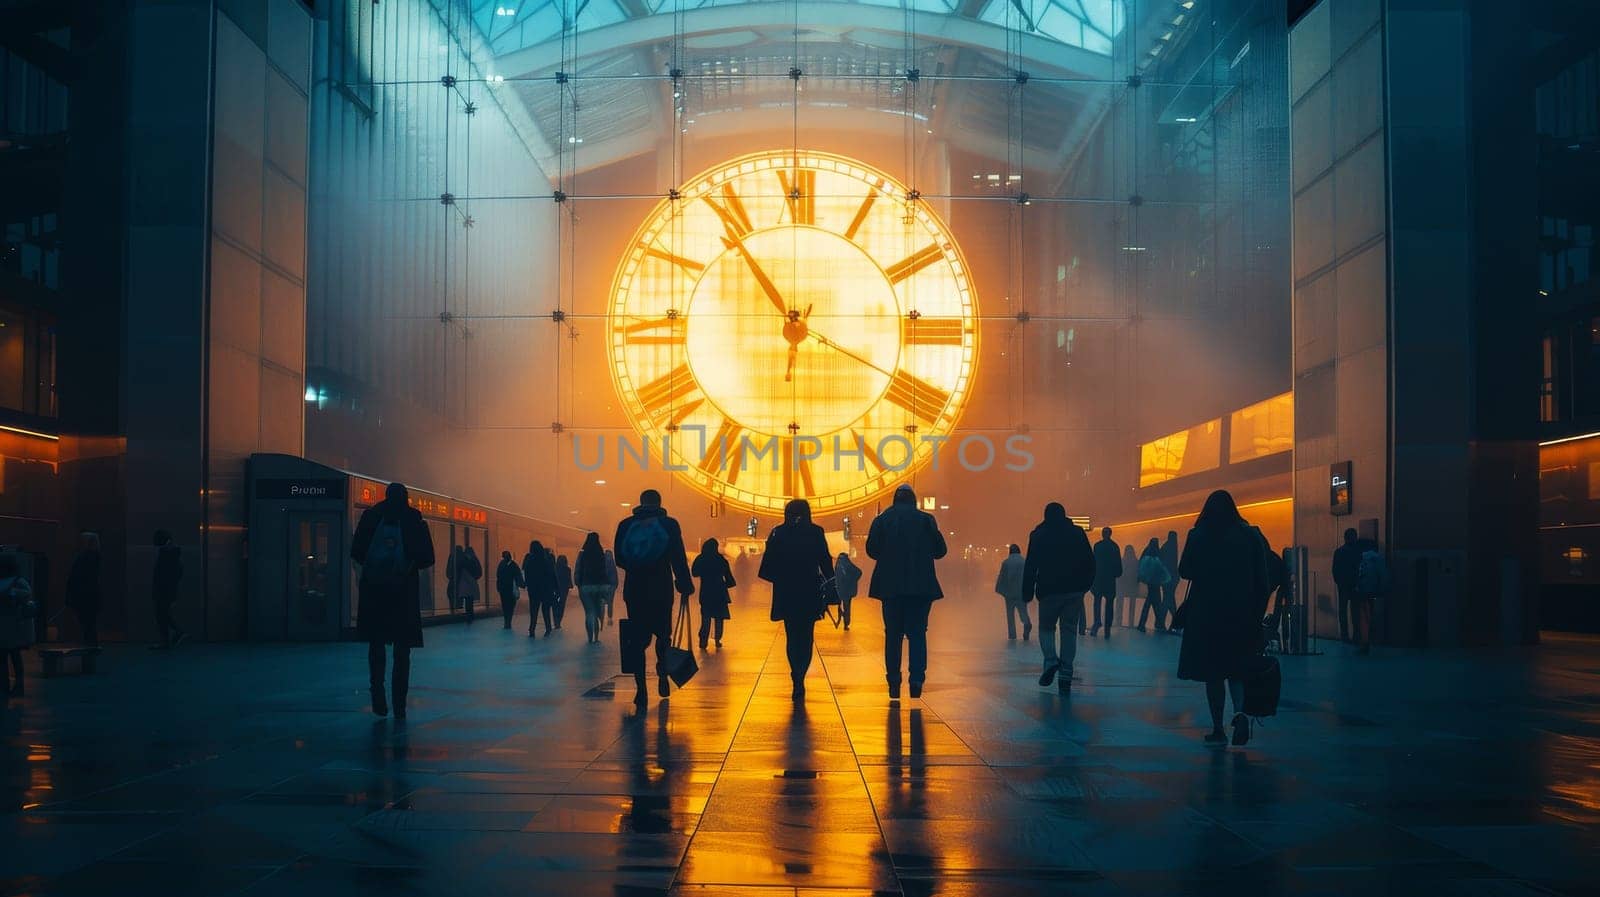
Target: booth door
(315,589)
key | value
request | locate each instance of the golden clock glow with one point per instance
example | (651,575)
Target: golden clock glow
(799,325)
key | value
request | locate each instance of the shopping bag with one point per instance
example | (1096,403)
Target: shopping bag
(1263,682)
(681,665)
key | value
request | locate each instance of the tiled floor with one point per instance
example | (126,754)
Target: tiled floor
(524,768)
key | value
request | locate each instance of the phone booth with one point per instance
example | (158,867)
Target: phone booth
(299,555)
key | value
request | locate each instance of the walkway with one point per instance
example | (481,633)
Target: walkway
(234,769)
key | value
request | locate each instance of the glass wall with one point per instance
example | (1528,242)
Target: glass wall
(809,248)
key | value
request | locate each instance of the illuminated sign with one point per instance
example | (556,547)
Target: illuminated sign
(1339,488)
(279,489)
(369,493)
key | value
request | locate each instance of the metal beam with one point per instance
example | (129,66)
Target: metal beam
(1043,57)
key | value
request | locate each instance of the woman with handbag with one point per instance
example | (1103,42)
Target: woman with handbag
(797,564)
(1224,559)
(716,578)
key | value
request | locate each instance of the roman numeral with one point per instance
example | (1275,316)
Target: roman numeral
(796,472)
(916,395)
(935,332)
(800,195)
(724,449)
(655,332)
(861,215)
(915,262)
(689,266)
(735,220)
(869,450)
(671,397)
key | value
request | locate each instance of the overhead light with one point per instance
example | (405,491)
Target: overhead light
(627,504)
(505,10)
(1133,249)
(574,139)
(1186,120)
(311,393)
(599,482)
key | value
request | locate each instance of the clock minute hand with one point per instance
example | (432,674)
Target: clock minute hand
(846,352)
(767,286)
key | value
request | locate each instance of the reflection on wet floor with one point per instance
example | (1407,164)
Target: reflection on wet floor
(255,770)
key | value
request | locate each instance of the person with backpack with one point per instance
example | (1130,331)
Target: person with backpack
(507,580)
(1224,559)
(650,553)
(540,576)
(905,541)
(716,578)
(1155,575)
(1169,589)
(563,587)
(1008,585)
(392,544)
(164,590)
(590,575)
(797,563)
(847,582)
(1107,570)
(17,614)
(1372,583)
(1059,569)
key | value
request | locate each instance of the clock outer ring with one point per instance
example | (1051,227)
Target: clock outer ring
(627,392)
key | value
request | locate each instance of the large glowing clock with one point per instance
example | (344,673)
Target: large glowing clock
(793,324)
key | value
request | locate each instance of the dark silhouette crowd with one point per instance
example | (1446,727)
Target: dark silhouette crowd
(1231,571)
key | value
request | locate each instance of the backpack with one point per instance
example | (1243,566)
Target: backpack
(1152,571)
(1372,577)
(644,543)
(386,557)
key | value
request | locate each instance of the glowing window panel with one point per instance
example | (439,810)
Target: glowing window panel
(1180,454)
(1265,428)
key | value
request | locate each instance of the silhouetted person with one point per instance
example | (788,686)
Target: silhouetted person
(1169,589)
(463,572)
(905,541)
(1346,563)
(611,580)
(1059,569)
(1107,570)
(589,575)
(392,544)
(797,563)
(164,580)
(649,551)
(716,578)
(1224,559)
(1154,574)
(507,580)
(1008,585)
(17,613)
(563,587)
(1372,583)
(540,575)
(1128,584)
(83,587)
(847,581)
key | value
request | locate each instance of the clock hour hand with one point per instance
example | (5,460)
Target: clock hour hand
(767,286)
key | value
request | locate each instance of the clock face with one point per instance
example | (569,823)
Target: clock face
(795,326)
